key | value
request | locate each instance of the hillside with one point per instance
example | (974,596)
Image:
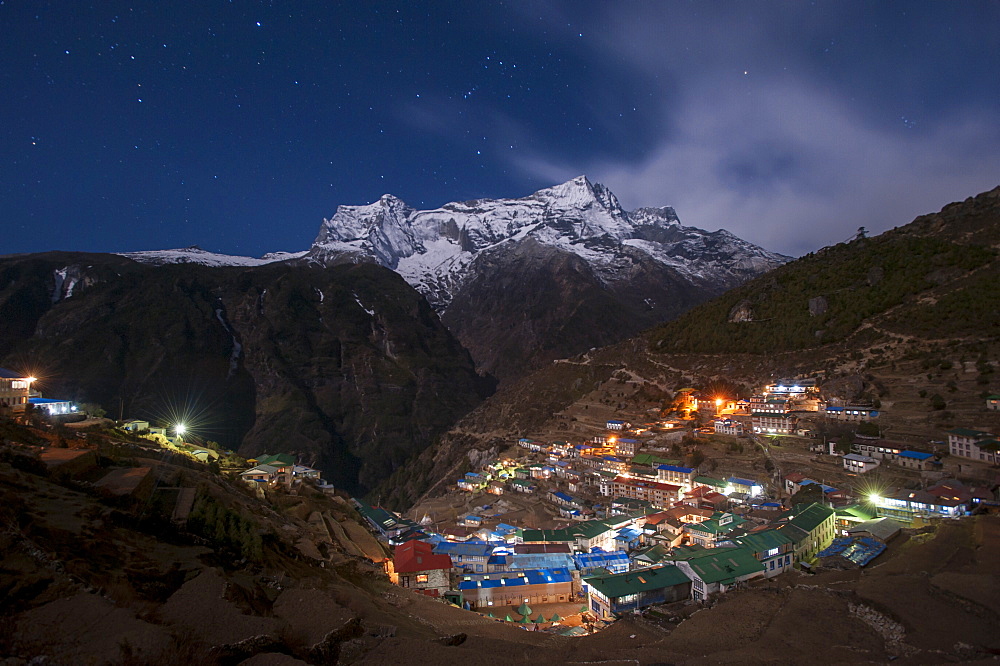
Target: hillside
(901,318)
(346,366)
(98,573)
(929,279)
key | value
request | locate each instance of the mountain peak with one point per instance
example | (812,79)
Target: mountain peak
(434,250)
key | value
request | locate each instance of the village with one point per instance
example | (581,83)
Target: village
(566,536)
(645,513)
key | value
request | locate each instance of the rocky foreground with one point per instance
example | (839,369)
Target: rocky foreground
(94,574)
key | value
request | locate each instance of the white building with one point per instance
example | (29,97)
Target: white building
(773,424)
(973,444)
(858,464)
(729,427)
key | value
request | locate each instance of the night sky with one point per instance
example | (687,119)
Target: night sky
(238,126)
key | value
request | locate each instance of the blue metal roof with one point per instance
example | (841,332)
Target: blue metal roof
(675,468)
(742,482)
(464,549)
(609,561)
(826,488)
(563,496)
(860,550)
(538,576)
(628,533)
(916,455)
(527,561)
(533,577)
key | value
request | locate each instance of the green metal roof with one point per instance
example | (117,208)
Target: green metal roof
(714,526)
(759,542)
(725,565)
(654,554)
(280,458)
(587,530)
(535,536)
(641,580)
(687,552)
(966,432)
(855,511)
(811,516)
(709,481)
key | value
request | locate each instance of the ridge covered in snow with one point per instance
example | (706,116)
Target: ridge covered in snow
(196,255)
(435,250)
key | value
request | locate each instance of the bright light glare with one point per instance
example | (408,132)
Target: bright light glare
(180,428)
(874,498)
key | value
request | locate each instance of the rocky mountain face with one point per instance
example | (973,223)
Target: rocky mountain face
(346,366)
(524,281)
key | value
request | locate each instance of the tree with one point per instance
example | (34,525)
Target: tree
(869,429)
(695,458)
(843,444)
(808,494)
(92,409)
(937,402)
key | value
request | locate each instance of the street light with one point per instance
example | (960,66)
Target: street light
(180,429)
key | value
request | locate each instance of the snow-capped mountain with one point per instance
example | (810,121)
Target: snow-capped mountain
(511,276)
(523,281)
(196,255)
(434,250)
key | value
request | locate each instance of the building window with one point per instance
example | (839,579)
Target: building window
(421,578)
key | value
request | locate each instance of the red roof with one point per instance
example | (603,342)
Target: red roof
(418,556)
(666,487)
(657,518)
(533,548)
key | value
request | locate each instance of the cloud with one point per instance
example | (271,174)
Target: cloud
(783,156)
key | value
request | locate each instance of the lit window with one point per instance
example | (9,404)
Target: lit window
(421,578)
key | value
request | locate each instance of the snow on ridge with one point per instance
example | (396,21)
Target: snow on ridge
(434,250)
(195,255)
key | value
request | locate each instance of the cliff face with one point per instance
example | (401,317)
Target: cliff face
(346,366)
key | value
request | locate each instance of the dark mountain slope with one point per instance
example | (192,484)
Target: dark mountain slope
(346,366)
(930,276)
(528,303)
